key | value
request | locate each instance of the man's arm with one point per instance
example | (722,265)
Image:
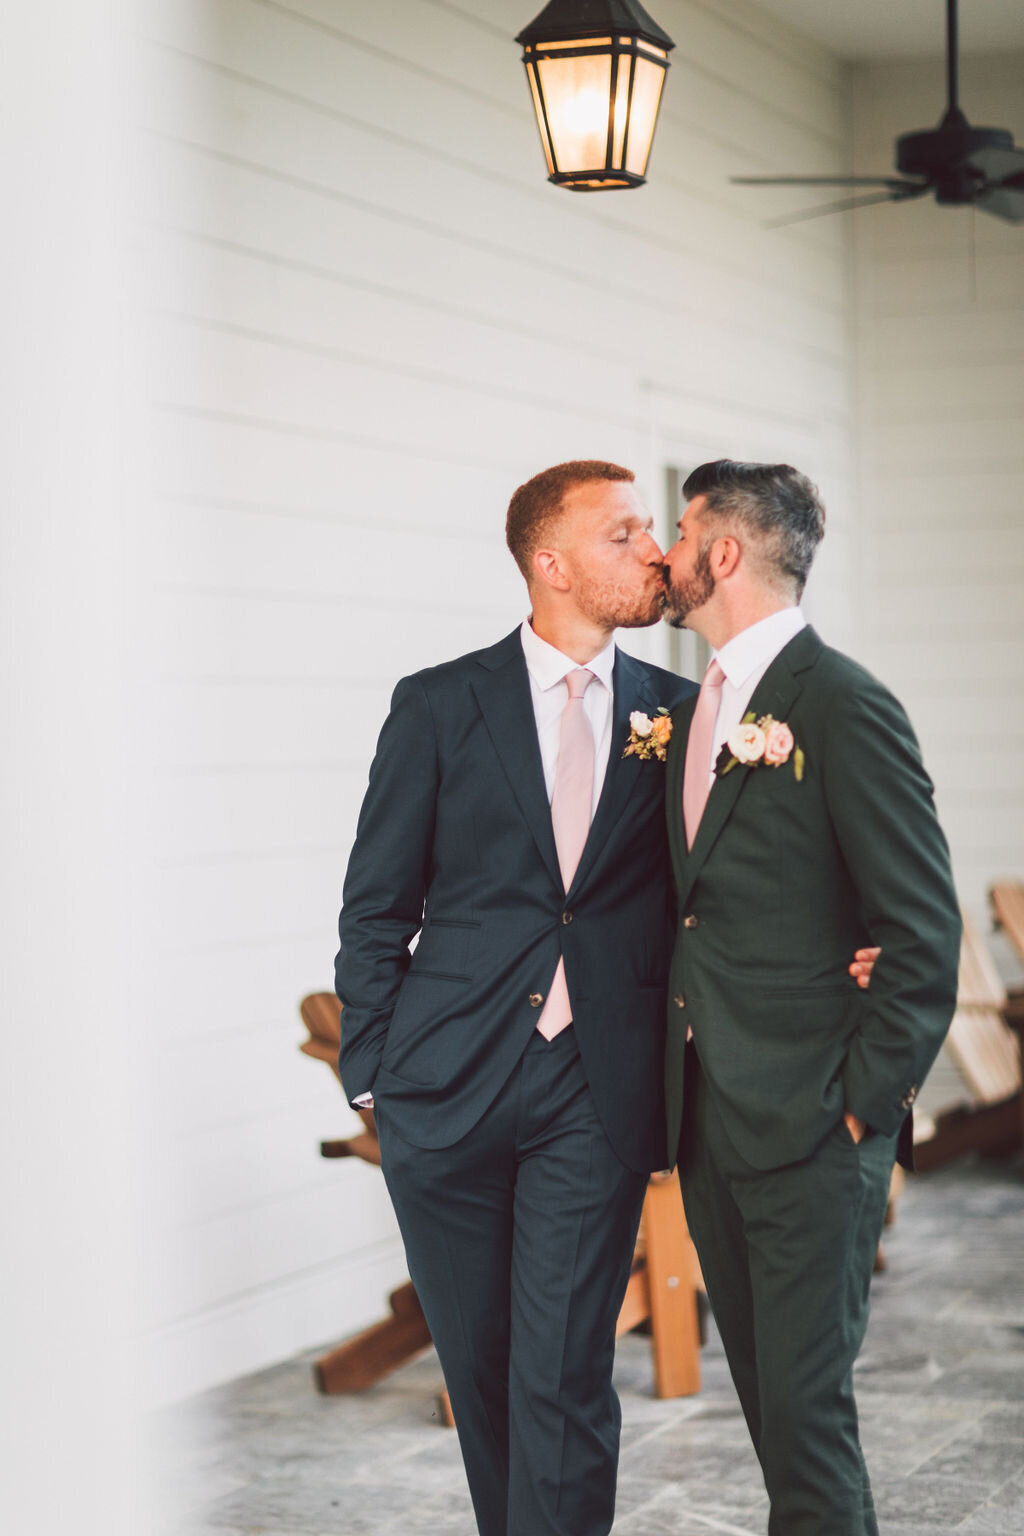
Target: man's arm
(386,883)
(881,802)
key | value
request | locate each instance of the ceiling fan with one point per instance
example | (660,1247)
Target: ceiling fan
(962,165)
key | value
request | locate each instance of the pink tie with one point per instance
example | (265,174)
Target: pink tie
(570,819)
(696,786)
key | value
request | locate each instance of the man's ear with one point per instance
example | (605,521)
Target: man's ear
(548,570)
(725,557)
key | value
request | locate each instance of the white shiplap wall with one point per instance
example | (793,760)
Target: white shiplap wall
(373,318)
(940,369)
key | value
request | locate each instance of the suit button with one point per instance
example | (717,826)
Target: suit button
(679,1000)
(690,921)
(567,918)
(908,1098)
(536,998)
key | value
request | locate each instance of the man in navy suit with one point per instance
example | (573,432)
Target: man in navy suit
(515,1056)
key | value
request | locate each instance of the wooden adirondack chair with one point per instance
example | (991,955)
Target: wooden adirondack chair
(983,1047)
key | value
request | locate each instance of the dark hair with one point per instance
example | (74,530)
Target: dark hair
(776,503)
(536,505)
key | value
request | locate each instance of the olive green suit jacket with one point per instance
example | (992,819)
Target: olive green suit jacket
(786,878)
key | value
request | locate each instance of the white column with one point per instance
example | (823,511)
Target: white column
(67,787)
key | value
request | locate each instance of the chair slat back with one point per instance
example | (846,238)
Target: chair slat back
(980,985)
(1008,904)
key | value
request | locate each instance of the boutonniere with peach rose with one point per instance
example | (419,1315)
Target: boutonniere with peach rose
(760,743)
(649,735)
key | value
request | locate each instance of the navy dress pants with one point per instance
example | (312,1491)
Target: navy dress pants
(520,1242)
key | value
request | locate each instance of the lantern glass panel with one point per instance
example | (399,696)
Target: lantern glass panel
(647,88)
(532,77)
(576,92)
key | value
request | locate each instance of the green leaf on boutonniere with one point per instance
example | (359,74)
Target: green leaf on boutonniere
(798,764)
(725,763)
(748,718)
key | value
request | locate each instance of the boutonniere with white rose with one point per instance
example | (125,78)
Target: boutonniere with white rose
(649,736)
(760,743)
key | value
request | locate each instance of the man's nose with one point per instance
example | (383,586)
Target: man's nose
(652,551)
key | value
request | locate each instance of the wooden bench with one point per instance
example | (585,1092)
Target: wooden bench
(987,1057)
(663,1287)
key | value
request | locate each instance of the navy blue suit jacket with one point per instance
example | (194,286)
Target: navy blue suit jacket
(455,844)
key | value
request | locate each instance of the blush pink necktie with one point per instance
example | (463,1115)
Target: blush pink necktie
(696,787)
(571,800)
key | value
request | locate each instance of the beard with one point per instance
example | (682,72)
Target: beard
(622,605)
(678,601)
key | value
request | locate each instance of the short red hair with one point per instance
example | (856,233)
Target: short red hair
(536,505)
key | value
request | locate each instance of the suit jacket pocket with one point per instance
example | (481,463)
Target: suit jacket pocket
(447,949)
(415,1047)
(846,988)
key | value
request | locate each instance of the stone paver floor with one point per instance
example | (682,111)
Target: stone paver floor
(940,1388)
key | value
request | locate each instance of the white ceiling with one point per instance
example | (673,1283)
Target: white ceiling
(878,29)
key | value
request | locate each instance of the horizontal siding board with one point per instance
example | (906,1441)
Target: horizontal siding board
(254,818)
(231,1258)
(371,188)
(236,551)
(229,991)
(991,446)
(211,461)
(259,1328)
(435,39)
(965,338)
(214,1165)
(983,389)
(931,284)
(279,637)
(299,893)
(323,307)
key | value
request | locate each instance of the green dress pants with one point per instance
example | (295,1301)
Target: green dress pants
(787,1256)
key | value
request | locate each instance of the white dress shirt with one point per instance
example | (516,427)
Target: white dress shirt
(745,659)
(548,669)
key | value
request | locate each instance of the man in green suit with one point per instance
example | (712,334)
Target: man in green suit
(802,827)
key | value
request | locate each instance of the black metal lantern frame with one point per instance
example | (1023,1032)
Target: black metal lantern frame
(622,32)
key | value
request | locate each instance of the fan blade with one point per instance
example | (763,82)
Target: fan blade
(1005,199)
(845,206)
(996,164)
(820,181)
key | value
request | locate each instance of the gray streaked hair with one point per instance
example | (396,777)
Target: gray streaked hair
(775,503)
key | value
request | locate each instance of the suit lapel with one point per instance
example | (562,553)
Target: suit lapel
(630,690)
(774,695)
(502,689)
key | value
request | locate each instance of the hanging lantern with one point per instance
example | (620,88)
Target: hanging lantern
(596,70)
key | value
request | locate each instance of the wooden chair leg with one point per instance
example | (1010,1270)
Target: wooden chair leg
(673,1279)
(361,1361)
(636,1304)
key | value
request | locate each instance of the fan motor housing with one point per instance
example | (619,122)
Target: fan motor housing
(934,151)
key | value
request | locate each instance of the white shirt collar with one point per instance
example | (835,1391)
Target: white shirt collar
(758,645)
(548,666)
